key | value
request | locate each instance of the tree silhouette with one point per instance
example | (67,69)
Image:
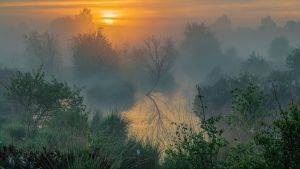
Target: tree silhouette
(93,54)
(279,50)
(42,49)
(159,57)
(256,65)
(201,51)
(293,62)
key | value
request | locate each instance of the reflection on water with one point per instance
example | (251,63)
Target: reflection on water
(147,123)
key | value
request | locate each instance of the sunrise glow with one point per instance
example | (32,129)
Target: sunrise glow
(109,17)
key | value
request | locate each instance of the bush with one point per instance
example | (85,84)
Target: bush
(16,132)
(245,155)
(140,154)
(281,143)
(39,98)
(10,157)
(248,105)
(196,149)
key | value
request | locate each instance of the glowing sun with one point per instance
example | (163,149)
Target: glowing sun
(109,16)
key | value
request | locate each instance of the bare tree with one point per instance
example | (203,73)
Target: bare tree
(160,56)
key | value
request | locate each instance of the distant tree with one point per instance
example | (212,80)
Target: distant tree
(201,50)
(93,54)
(231,52)
(243,80)
(232,61)
(218,94)
(279,50)
(80,23)
(96,60)
(256,65)
(151,65)
(84,15)
(292,26)
(293,62)
(43,49)
(214,75)
(222,24)
(283,82)
(267,24)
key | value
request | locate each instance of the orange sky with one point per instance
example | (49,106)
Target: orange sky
(150,16)
(241,10)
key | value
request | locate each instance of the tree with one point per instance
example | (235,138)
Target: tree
(293,62)
(43,49)
(159,59)
(279,50)
(284,85)
(218,94)
(256,65)
(281,143)
(201,51)
(292,26)
(222,24)
(93,55)
(248,105)
(267,24)
(97,67)
(232,61)
(38,97)
(70,25)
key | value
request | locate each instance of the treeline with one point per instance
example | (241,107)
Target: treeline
(108,73)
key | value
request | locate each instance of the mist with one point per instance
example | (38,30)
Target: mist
(115,76)
(144,77)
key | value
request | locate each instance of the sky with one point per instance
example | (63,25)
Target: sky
(243,11)
(152,15)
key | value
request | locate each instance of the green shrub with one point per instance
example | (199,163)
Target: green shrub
(193,149)
(245,156)
(16,132)
(280,143)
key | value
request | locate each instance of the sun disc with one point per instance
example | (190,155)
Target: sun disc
(109,16)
